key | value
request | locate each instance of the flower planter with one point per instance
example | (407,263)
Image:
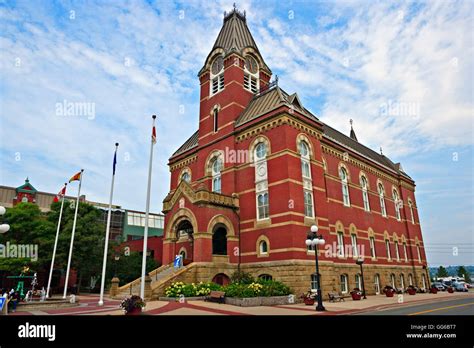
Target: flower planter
(389,293)
(433,291)
(411,291)
(356,296)
(450,290)
(258,301)
(134,311)
(309,301)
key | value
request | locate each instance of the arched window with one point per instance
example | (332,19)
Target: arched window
(410,279)
(377,284)
(365,194)
(344,283)
(423,281)
(216,174)
(372,247)
(217,75)
(261,180)
(263,207)
(393,282)
(410,204)
(314,282)
(397,203)
(402,281)
(387,248)
(355,250)
(419,253)
(405,253)
(345,187)
(358,281)
(382,200)
(186,176)
(251,78)
(215,115)
(263,247)
(265,277)
(307,181)
(397,252)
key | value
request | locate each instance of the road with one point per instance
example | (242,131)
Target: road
(464,306)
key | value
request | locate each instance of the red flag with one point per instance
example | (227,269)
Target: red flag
(60,194)
(153,135)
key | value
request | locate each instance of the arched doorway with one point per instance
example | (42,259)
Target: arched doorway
(219,240)
(185,240)
(221,279)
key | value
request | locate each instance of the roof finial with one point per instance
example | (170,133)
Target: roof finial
(27,180)
(352,134)
(381,152)
(235,6)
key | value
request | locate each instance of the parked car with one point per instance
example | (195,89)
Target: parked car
(460,287)
(448,282)
(439,286)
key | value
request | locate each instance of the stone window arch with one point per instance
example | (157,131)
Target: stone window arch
(364,185)
(263,246)
(185,175)
(345,179)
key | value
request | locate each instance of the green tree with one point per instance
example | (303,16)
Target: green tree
(128,268)
(88,240)
(462,272)
(28,226)
(442,272)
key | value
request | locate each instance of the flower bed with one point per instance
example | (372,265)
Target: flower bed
(180,289)
(244,293)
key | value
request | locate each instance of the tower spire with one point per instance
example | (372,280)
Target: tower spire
(353,134)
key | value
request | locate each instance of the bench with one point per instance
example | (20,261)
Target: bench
(334,296)
(216,296)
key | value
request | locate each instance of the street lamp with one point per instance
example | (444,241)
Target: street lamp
(314,240)
(3,227)
(360,261)
(117,258)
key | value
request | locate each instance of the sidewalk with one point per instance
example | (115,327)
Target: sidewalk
(88,306)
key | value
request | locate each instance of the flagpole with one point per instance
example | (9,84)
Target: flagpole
(72,236)
(55,244)
(107,232)
(145,234)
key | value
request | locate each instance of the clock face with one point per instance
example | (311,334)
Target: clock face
(251,64)
(217,65)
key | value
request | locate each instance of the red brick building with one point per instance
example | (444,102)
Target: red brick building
(261,169)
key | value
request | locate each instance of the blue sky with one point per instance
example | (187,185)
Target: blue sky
(402,71)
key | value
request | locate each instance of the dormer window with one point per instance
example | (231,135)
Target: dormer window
(217,75)
(251,81)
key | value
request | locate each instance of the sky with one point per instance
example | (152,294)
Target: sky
(403,71)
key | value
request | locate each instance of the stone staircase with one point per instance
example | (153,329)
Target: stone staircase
(159,279)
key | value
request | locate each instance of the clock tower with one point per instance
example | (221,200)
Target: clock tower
(233,72)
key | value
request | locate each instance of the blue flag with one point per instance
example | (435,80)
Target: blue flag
(115,161)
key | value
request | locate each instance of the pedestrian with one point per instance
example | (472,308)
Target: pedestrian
(15,298)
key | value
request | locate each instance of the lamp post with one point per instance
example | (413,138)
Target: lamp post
(117,258)
(360,261)
(3,227)
(314,240)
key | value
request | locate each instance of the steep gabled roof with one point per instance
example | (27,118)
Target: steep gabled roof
(270,100)
(363,150)
(26,187)
(235,36)
(188,144)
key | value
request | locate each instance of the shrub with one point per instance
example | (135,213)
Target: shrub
(263,288)
(242,277)
(190,290)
